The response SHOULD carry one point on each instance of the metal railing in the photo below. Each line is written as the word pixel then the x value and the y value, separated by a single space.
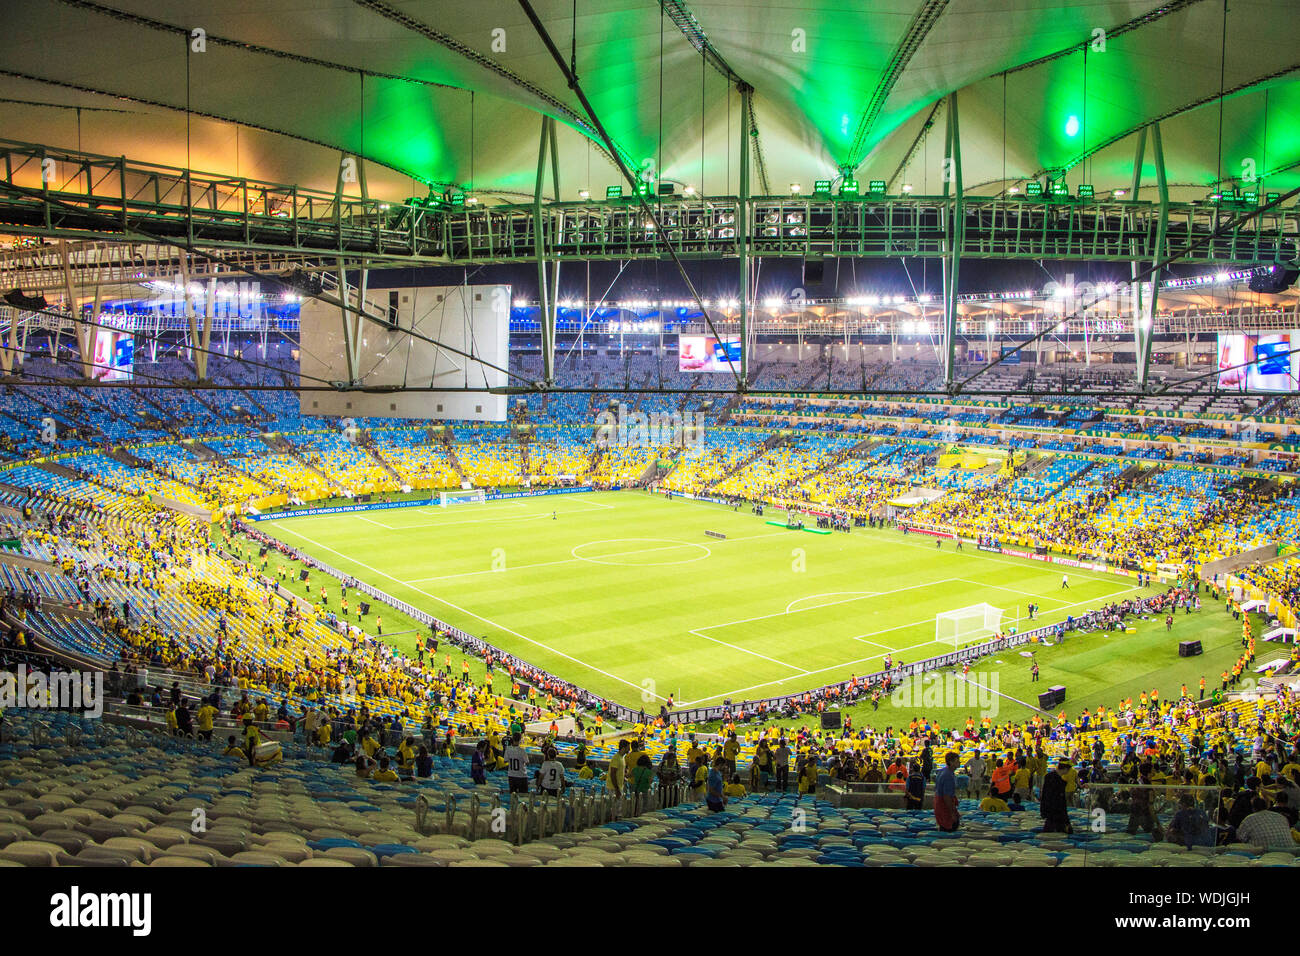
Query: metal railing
pixel 67 193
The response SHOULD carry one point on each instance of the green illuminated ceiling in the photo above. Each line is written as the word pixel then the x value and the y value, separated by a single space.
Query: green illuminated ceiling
pixel 449 93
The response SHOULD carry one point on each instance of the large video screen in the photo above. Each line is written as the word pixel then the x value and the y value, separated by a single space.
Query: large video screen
pixel 704 353
pixel 1259 361
pixel 114 356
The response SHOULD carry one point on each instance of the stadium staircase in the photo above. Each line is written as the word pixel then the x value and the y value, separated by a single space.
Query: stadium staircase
pixel 821 370
pixel 724 416
pixel 447 440
pixel 63 471
pixel 209 454
pixel 126 458
pixel 212 409
pixel 367 442
pixel 825 463
pixel 281 445
pixel 1133 476
pixel 768 444
pixel 655 473
pixel 262 413
pixel 1251 484
pixel 158 417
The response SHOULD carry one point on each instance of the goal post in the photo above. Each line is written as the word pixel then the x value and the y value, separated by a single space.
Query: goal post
pixel 966 624
pixel 474 496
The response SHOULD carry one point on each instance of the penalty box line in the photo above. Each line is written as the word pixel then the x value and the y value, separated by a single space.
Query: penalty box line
pixel 897 650
pixel 616 554
pixel 479 617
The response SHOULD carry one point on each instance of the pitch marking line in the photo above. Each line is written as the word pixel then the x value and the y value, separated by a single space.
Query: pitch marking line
pixel 883 647
pixel 479 617
pixel 974 555
pixel 763 617
pixel 1022 703
pixel 999 587
pixel 745 650
pixel 547 564
pixel 671 546
pixel 898 650
pixel 809 597
pixel 377 523
pixel 499 518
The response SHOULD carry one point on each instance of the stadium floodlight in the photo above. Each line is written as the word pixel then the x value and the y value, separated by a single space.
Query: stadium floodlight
pixel 967 624
pixel 794 189
pixel 584 193
pixel 822 187
pixel 688 191
pixel 643 189
pixel 849 187
pixel 1085 191
pixel 667 189
pixel 1072 126
pixel 876 187
pixel 613 192
pixel 1060 191
pixel 1033 189
pixel 907 187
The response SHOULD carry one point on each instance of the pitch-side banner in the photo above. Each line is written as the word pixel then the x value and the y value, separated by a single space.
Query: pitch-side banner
pixel 411 503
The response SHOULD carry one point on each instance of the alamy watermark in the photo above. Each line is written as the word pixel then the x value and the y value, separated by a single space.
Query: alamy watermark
pixel 58 690
pixel 625 428
pixel 932 691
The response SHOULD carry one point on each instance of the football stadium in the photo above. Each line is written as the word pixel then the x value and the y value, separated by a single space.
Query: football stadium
pixel 644 434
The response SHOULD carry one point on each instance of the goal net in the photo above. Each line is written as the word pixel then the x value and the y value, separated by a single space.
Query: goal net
pixel 476 496
pixel 967 624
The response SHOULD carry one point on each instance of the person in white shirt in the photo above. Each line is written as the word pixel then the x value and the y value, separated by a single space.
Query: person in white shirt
pixel 550 778
pixel 975 767
pixel 517 766
pixel 781 757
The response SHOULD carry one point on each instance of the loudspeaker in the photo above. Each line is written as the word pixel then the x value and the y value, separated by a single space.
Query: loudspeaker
pixel 1052 697
pixel 363 608
pixel 814 271
pixel 1279 278
pixel 1189 648
pixel 831 720
pixel 302 574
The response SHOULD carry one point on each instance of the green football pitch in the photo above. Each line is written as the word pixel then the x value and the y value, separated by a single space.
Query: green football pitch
pixel 625 594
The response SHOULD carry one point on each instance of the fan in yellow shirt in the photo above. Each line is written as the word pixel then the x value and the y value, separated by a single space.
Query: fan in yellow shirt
pixel 993 803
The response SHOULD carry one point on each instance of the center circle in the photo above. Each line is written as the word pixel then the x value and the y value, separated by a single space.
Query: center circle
pixel 639 552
